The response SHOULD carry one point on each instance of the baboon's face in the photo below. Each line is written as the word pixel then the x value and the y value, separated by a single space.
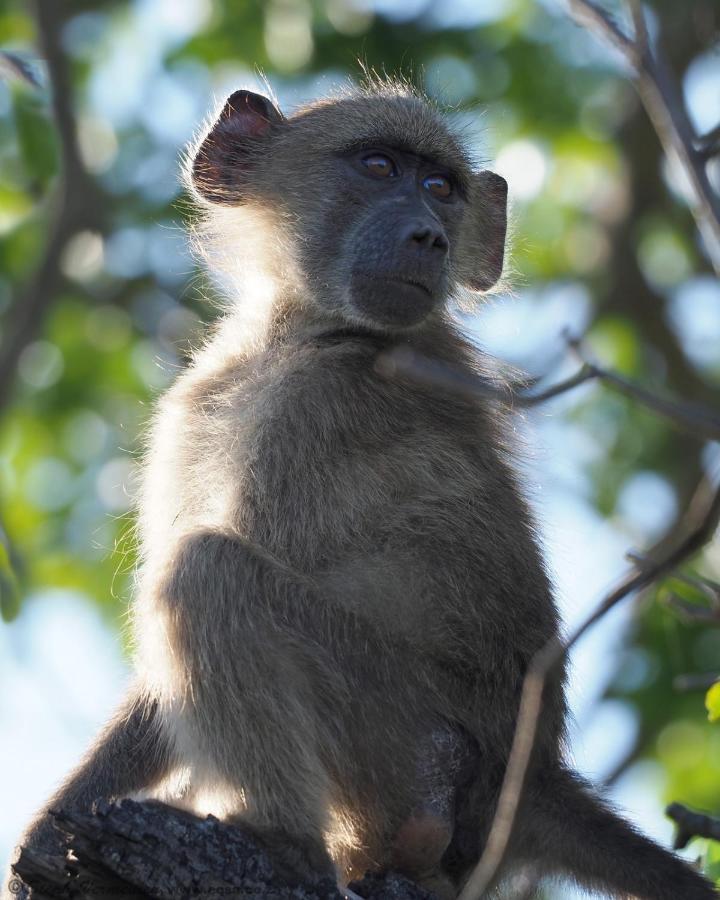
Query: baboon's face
pixel 381 207
pixel 384 244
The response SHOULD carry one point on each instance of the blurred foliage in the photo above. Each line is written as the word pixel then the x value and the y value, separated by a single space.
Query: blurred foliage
pixel 712 702
pixel 595 208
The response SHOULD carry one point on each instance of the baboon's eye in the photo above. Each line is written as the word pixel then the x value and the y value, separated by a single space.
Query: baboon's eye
pixel 438 185
pixel 380 165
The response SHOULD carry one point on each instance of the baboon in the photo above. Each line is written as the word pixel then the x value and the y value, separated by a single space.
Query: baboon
pixel 341 587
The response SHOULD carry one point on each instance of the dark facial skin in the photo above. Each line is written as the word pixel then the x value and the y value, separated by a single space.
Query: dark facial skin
pixel 379 233
pixel 396 251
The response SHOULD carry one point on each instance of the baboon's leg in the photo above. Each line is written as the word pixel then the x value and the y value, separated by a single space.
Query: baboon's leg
pixel 269 663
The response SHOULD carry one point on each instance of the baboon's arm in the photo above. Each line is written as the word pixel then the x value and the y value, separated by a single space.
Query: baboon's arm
pixel 230 589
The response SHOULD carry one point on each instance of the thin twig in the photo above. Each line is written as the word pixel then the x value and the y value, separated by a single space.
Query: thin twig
pixel 693 681
pixel 16 67
pixel 708 588
pixel 600 20
pixel 691 613
pixel 685 414
pixel 692 824
pixel 403 362
pixel 527 399
pixel 688 612
pixel 76 204
pixel 642 39
pixel 708 145
pixel 700 525
pixel 663 102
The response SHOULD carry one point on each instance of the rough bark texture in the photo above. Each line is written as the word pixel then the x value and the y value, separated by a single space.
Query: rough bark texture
pixel 149 850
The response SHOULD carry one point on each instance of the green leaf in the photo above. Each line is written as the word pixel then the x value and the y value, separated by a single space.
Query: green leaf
pixel 14 207
pixel 712 861
pixel 712 702
pixel 9 587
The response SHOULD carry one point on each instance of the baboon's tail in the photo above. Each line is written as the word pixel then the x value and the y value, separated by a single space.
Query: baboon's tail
pixel 567 828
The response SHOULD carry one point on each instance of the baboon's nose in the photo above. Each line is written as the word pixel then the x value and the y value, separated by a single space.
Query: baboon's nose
pixel 428 235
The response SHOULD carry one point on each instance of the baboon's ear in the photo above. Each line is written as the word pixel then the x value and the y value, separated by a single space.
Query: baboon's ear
pixel 224 159
pixel 481 247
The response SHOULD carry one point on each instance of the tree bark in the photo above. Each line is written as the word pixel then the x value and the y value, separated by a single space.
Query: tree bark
pixel 149 851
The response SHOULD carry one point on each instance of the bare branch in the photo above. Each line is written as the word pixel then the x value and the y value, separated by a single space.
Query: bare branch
pixel 708 588
pixel 663 102
pixel 600 21
pixel 709 144
pixel 403 362
pixel 642 39
pixel 149 850
pixel 692 824
pixel 693 681
pixel 14 66
pixel 77 204
pixel 693 417
pixel 691 613
pixel 699 526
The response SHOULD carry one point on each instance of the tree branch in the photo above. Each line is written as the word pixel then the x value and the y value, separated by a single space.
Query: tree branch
pixel 77 203
pixel 642 38
pixel 689 612
pixel 403 362
pixel 662 100
pixel 700 524
pixel 14 66
pixel 708 145
pixel 692 824
pixel 709 589
pixel 602 22
pixel 150 850
pixel 693 681
pixel 693 417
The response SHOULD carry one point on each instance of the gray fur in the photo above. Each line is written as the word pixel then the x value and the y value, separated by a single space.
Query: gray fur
pixel 341 587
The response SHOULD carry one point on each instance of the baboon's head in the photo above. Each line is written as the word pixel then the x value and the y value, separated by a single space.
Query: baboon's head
pixel 372 192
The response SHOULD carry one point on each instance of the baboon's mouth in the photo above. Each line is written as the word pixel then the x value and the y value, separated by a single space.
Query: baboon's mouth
pixel 396 299
pixel 409 282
